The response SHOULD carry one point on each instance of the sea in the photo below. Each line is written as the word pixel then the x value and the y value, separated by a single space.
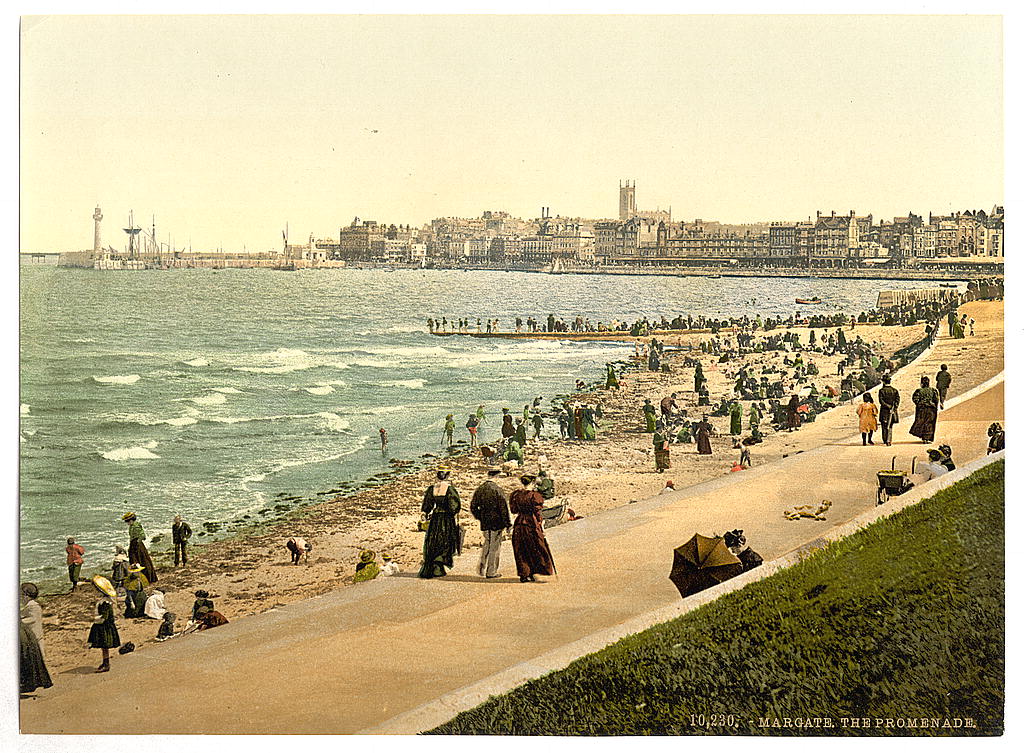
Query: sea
pixel 214 393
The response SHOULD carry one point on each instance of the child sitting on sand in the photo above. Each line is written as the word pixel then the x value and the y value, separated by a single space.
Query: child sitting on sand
pixel 166 629
pixel 366 568
pixel 390 567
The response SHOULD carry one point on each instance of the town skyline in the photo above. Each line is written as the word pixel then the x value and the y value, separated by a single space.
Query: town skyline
pixel 226 128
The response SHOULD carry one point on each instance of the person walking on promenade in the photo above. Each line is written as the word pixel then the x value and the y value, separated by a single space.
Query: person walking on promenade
pixel 530 547
pixel 951 320
pixel 942 382
pixel 703 431
pixel 135 592
pixel 926 411
pixel 137 551
pixel 103 633
pixel 75 561
pixel 181 532
pixel 449 430
pixel 441 506
pixel 32 660
pixel 490 507
pixel 32 614
pixel 888 405
pixel 662 456
pixel 867 412
pixel 471 427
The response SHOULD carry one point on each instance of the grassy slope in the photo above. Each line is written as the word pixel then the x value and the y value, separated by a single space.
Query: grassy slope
pixel 903 619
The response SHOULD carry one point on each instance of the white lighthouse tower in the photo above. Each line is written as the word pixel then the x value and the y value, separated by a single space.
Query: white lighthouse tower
pixel 96 216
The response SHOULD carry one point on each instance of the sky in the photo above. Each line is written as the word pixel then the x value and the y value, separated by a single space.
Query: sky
pixel 227 128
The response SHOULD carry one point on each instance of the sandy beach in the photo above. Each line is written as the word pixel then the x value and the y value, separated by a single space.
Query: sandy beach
pixel 251 573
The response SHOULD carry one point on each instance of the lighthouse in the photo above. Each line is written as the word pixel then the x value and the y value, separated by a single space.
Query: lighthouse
pixel 96 216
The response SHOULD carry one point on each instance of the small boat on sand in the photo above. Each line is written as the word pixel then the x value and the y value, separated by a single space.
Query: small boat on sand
pixel 808 301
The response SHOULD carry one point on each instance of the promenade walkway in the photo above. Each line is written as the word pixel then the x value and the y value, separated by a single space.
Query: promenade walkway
pixel 364 658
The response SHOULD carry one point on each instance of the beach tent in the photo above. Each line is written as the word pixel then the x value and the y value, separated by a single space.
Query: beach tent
pixel 703 562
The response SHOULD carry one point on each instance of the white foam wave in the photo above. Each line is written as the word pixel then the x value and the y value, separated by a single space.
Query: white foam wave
pixel 384 409
pixel 412 384
pixel 83 340
pixel 139 452
pixel 181 421
pixel 333 421
pixel 197 362
pixel 215 398
pixel 280 361
pixel 227 390
pixel 405 328
pixel 254 479
pixel 25 409
pixel 117 379
pixel 323 389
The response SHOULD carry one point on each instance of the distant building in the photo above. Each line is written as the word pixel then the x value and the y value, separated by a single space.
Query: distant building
pixel 628 210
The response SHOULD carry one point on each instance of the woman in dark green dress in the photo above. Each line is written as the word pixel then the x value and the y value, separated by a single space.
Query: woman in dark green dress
pixel 735 419
pixel 32 667
pixel 103 633
pixel 441 504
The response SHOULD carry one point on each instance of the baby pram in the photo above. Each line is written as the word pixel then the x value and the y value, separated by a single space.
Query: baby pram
pixel 892 483
pixel 554 514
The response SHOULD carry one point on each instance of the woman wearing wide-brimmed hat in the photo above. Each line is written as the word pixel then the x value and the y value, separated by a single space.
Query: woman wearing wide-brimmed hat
pixel 32 662
pixel 137 551
pixel 441 504
pixel 530 547
pixel 103 633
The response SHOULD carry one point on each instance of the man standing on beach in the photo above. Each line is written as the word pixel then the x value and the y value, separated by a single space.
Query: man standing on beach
pixel 490 507
pixel 75 561
pixel 181 532
pixel 942 381
pixel 383 439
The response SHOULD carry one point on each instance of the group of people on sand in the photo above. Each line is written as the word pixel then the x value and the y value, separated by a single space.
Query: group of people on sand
pixel 491 506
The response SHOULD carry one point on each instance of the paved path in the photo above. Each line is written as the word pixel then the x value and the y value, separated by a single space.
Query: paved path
pixel 356 658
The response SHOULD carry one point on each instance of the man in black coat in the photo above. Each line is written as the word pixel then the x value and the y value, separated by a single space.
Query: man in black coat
pixel 181 532
pixel 490 507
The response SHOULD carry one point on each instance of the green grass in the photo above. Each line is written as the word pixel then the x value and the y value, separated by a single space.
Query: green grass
pixel 904 619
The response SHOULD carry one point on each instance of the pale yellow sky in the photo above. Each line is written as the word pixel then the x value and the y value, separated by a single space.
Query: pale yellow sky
pixel 227 127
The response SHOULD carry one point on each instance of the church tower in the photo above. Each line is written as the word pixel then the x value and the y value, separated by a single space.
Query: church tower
pixel 627 200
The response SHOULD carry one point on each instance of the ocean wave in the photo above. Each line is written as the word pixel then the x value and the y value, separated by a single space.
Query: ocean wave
pixel 82 340
pixel 333 421
pixel 323 389
pixel 412 384
pixel 227 390
pixel 215 398
pixel 405 328
pixel 128 379
pixel 197 362
pixel 146 419
pixel 25 407
pixel 139 452
pixel 280 361
pixel 181 421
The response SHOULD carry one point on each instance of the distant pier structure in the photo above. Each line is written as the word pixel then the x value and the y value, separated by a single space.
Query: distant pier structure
pixel 97 217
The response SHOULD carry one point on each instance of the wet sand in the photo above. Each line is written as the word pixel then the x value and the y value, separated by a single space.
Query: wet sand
pixel 251 573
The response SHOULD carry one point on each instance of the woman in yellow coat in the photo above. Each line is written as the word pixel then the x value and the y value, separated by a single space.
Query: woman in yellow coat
pixel 868 413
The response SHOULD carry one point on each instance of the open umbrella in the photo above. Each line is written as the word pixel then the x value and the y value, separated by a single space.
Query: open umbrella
pixel 703 562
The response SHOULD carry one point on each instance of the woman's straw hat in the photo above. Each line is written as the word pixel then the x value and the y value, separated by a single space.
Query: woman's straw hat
pixel 104 586
pixel 367 555
pixel 127 516
pixel 135 568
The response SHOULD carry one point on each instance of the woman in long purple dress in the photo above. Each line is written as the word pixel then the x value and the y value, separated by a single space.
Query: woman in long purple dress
pixel 533 557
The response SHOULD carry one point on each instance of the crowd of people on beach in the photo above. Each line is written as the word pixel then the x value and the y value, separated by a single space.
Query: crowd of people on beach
pixel 778 389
